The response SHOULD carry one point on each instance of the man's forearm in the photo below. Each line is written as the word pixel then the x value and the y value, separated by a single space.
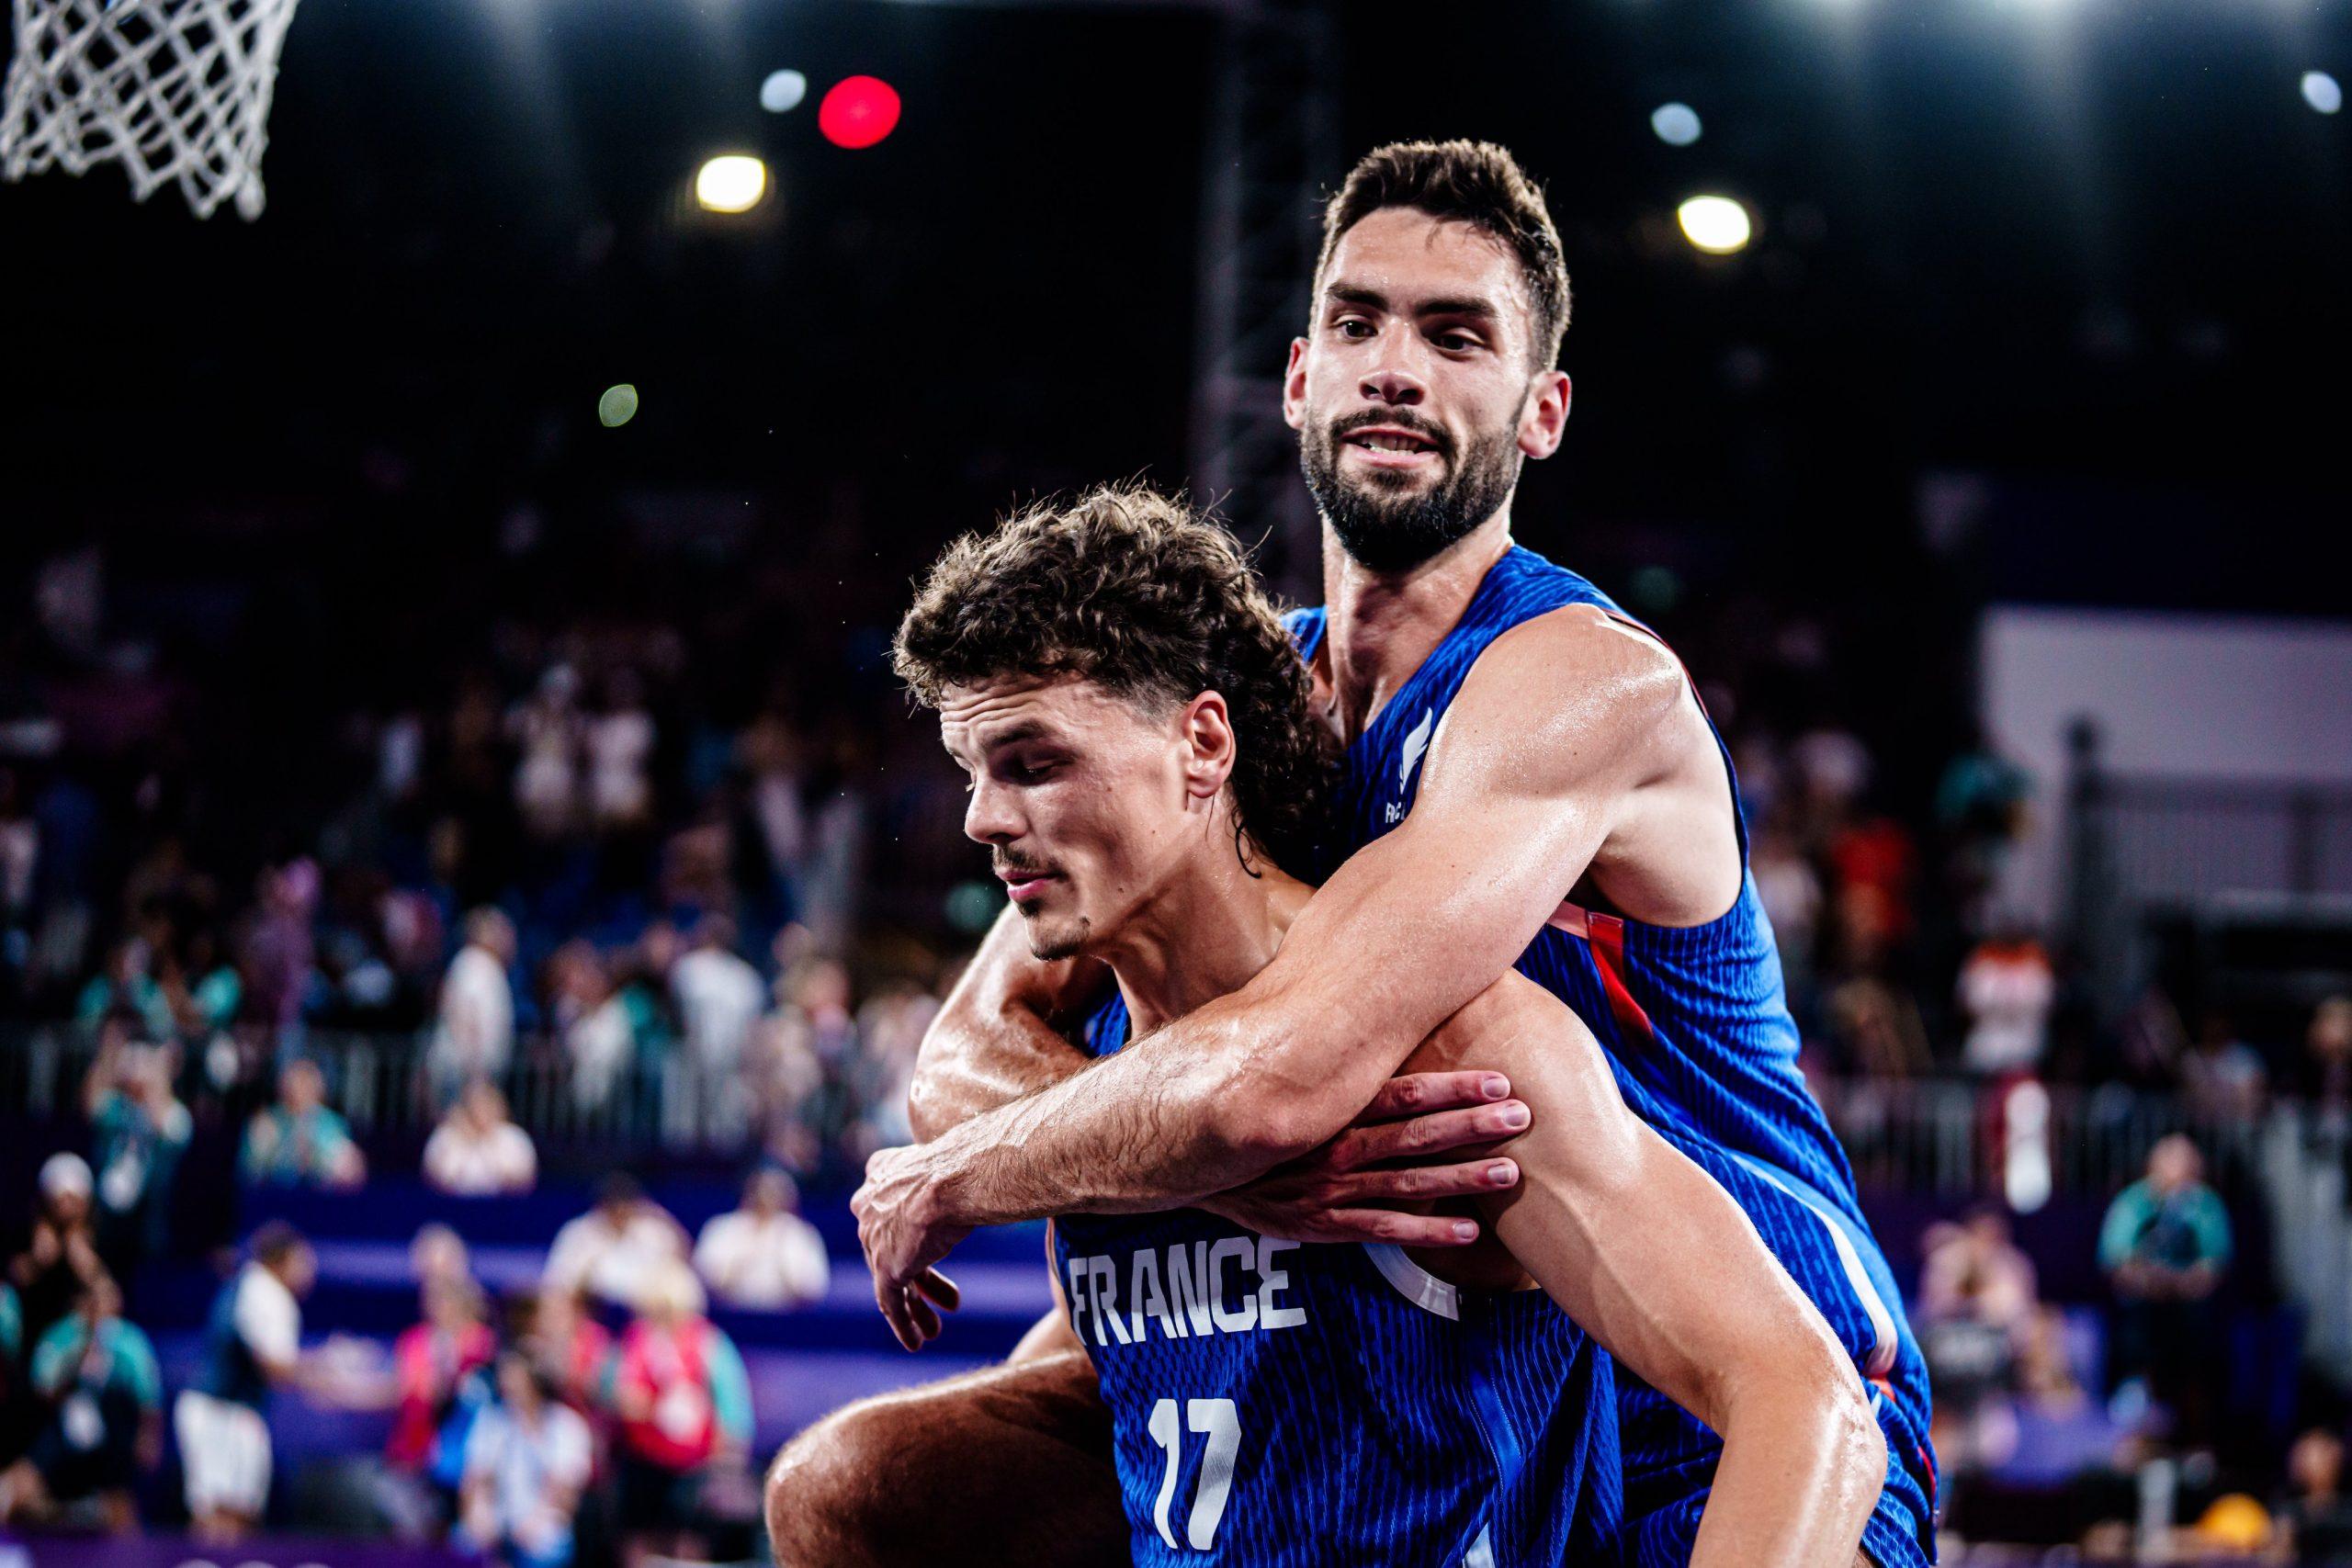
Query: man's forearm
pixel 996 1039
pixel 973 1064
pixel 1151 1127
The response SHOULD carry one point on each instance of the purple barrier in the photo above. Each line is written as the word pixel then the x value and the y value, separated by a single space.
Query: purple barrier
pixel 179 1552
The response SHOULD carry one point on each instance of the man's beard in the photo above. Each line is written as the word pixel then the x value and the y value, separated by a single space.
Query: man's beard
pixel 1392 530
pixel 1051 944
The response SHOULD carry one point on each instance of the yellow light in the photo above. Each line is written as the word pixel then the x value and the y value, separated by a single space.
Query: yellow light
pixel 732 183
pixel 1716 224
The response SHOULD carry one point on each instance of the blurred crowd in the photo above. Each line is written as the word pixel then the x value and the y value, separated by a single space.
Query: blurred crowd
pixel 514 1425
pixel 597 876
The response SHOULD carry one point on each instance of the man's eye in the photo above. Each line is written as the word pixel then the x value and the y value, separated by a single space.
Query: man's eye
pixel 1031 773
pixel 1456 343
pixel 1354 329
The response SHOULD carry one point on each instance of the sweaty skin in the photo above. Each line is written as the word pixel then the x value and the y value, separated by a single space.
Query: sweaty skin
pixel 1575 757
pixel 1639 1246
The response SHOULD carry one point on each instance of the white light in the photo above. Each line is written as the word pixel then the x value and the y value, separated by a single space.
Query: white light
pixel 732 183
pixel 617 406
pixel 1677 124
pixel 2322 91
pixel 783 91
pixel 1716 224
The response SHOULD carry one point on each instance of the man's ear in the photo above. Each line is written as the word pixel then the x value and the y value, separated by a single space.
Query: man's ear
pixel 1294 385
pixel 1206 730
pixel 1545 418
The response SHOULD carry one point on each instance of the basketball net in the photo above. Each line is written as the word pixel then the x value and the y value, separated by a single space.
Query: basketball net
pixel 174 90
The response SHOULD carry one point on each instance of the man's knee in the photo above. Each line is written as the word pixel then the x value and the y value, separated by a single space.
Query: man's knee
pixel 824 1501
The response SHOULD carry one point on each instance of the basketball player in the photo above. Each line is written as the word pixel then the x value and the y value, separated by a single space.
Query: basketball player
pixel 1531 783
pixel 1134 717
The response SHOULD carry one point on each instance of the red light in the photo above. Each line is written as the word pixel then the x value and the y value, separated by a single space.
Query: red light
pixel 858 112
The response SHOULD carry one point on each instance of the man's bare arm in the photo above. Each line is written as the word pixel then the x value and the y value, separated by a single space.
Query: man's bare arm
pixel 1558 727
pixel 1002 1033
pixel 1658 1264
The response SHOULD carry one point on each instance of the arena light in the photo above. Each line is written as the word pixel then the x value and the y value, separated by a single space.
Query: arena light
pixel 1677 125
pixel 617 406
pixel 858 111
pixel 2322 91
pixel 782 92
pixel 1715 225
pixel 732 182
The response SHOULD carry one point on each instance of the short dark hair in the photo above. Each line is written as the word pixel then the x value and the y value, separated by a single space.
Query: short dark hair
pixel 1472 182
pixel 274 1242
pixel 1132 589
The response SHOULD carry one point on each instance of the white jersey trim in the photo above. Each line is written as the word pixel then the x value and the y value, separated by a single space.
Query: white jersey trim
pixel 1413 1283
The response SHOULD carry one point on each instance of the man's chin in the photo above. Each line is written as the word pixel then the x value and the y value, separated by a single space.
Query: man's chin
pixel 1051 940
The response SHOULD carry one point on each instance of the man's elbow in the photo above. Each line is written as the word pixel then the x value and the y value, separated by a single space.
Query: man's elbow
pixel 931 1110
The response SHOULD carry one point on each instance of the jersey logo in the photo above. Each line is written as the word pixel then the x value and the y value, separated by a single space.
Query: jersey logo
pixel 1415 744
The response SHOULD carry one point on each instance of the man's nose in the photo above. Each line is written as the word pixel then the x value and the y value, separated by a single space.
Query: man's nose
pixel 1393 385
pixel 988 817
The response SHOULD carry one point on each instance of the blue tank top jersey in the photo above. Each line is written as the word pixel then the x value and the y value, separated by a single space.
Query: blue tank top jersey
pixel 1694 1021
pixel 1286 1405
pixel 230 1370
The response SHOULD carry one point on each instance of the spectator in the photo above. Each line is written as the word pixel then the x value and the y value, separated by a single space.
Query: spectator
pixel 593 1023
pixel 2222 1075
pixel 477 1149
pixel 2326 1073
pixel 60 1259
pixel 299 1141
pixel 476 1035
pixel 125 987
pixel 440 1253
pixel 546 729
pixel 252 1344
pixel 563 1341
pixel 612 1248
pixel 2164 1244
pixel 2007 989
pixel 139 1130
pixel 764 1255
pixel 619 746
pixel 1976 1299
pixel 719 996
pixel 1974 1273
pixel 2317 1513
pixel 429 1362
pixel 96 1377
pixel 682 1400
pixel 1791 891
pixel 279 952
pixel 528 1463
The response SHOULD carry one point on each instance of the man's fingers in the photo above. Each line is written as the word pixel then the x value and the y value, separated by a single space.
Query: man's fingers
pixel 1429 1134
pixel 1417 1094
pixel 1468 1179
pixel 891 1299
pixel 1401 1229
pixel 924 1316
pixel 940 1289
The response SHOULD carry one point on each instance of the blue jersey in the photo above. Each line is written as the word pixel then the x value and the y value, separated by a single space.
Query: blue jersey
pixel 1281 1405
pixel 231 1372
pixel 1698 1033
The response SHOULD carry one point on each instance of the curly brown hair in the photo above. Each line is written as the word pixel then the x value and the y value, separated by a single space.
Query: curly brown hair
pixel 1476 182
pixel 1133 590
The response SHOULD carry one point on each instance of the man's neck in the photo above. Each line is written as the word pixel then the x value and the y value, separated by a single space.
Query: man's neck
pixel 1204 936
pixel 1380 626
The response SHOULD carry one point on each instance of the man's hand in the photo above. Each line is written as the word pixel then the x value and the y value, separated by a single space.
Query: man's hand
pixel 898 1226
pixel 1347 1189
